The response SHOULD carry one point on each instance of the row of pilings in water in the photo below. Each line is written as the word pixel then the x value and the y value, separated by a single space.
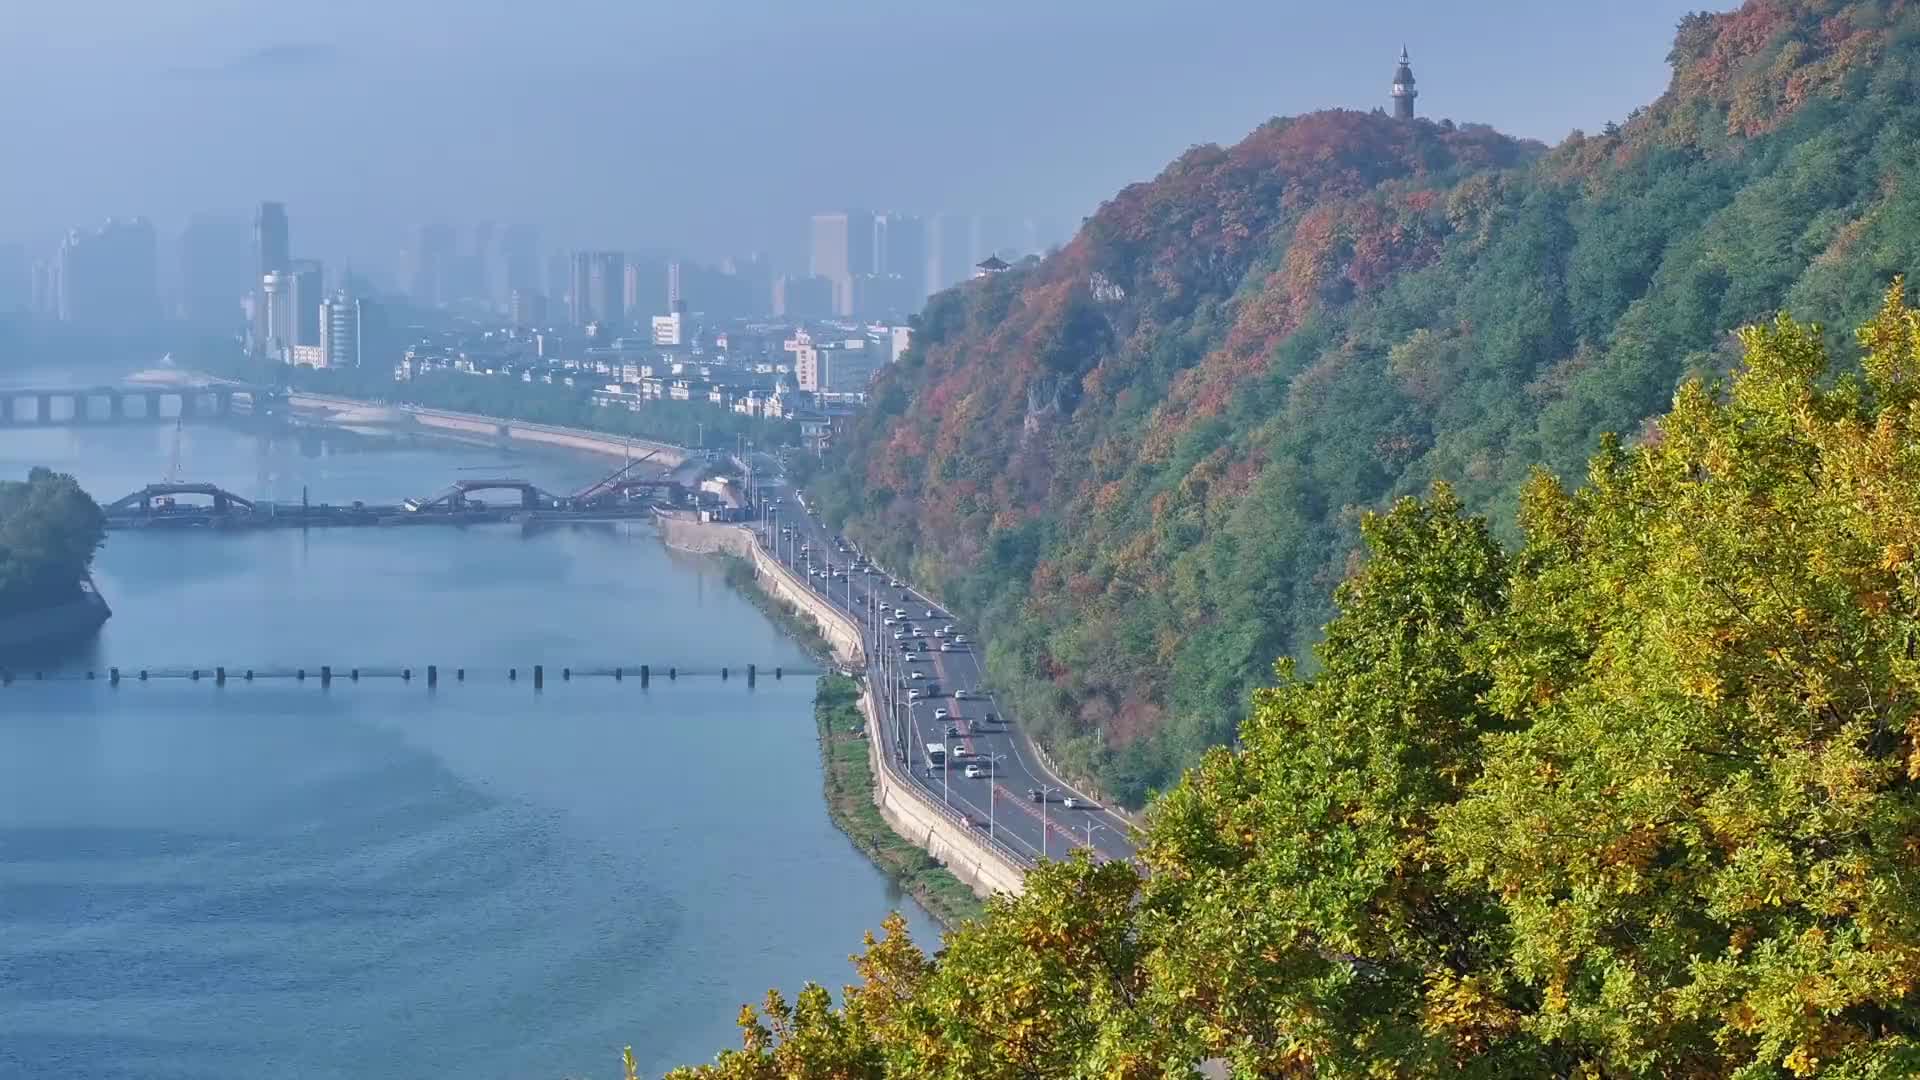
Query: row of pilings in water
pixel 326 674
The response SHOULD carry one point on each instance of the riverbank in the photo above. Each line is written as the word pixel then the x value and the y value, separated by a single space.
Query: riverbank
pixel 849 784
pixel 804 631
pixel 58 624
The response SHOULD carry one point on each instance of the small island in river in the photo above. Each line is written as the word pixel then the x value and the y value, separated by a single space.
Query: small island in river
pixel 49 531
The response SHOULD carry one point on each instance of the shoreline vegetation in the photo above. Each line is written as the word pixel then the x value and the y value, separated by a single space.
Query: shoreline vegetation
pixel 847 772
pixel 49 531
pixel 848 769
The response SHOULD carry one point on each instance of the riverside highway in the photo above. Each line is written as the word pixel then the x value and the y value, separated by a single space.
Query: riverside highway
pixel 998 802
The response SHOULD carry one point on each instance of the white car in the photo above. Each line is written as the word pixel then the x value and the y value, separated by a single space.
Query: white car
pixel 913 695
pixel 899 635
pixel 893 583
pixel 959 695
pixel 946 646
pixel 917 632
pixel 888 621
pixel 916 658
pixel 939 714
pixel 930 613
pixel 916 675
pixel 975 772
pixel 1070 803
pixel 959 639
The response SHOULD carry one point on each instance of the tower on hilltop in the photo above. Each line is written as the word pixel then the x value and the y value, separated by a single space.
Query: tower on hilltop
pixel 1403 91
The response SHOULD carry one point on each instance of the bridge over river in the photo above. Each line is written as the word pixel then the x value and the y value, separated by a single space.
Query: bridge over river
pixel 61 406
pixel 626 493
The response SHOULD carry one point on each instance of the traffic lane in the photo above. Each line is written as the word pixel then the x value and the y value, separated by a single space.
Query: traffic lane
pixel 962 667
pixel 1115 824
pixel 979 798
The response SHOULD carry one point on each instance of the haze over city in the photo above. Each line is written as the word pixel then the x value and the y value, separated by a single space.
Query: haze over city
pixel 712 130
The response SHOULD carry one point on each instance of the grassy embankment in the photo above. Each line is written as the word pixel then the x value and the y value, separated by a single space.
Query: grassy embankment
pixel 848 773
pixel 849 787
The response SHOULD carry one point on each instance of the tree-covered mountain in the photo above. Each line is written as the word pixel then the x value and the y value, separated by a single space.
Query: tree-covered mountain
pixel 1141 462
pixel 1635 797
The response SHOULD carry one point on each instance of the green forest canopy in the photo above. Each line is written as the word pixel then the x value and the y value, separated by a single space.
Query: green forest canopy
pixel 1140 465
pixel 49 530
pixel 1636 797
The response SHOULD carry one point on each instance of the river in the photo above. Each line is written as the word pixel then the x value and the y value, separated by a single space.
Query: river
pixel 381 880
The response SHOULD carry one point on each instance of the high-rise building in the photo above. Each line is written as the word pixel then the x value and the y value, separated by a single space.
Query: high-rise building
pixel 108 276
pixel 429 265
pixel 630 297
pixel 528 308
pixel 341 340
pixel 803 297
pixel 520 258
pixel 305 291
pixel 271 249
pixel 673 287
pixel 216 272
pixel 597 292
pixel 274 314
pixel 900 251
pixel 900 259
pixel 754 275
pixel 949 251
pixel 1403 89
pixel 842 250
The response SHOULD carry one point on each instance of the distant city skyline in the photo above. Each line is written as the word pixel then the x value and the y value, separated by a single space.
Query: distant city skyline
pixel 713 146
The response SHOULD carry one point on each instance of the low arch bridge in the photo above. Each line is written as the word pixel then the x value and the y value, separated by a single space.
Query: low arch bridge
pixel 160 499
pixel 455 497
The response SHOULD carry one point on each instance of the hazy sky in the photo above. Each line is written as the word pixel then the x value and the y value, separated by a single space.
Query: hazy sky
pixel 717 125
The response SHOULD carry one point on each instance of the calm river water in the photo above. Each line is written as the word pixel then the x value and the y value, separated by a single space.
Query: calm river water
pixel 377 880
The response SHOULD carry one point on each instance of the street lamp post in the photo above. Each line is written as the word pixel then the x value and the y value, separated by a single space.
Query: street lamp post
pixel 993 789
pixel 1045 794
pixel 1092 825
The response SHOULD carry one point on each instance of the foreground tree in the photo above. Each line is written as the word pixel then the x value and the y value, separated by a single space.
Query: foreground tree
pixel 1639 800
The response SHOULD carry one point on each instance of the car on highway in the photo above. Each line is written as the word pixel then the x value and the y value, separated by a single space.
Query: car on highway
pixel 919 632
pixel 899 635
pixel 888 621
pixel 946 646
pixel 915 658
pixel 916 675
pixel 1071 803
pixel 962 694
pixel 930 614
pixel 975 772
pixel 959 639
pixel 940 714
pixel 913 695
pixel 900 613
pixel 942 632
pixel 893 583
pixel 953 731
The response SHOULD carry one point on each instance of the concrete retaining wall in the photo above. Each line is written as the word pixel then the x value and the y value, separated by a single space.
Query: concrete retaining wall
pixel 911 814
pixel 843 637
pixel 904 805
pixel 703 537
